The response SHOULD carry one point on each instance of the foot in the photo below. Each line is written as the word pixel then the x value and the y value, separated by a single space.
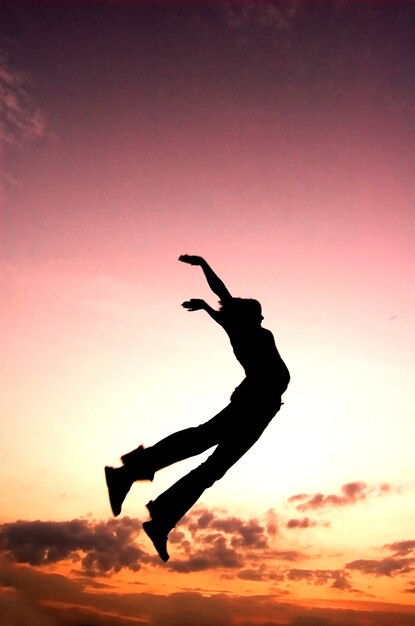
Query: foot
pixel 119 485
pixel 136 462
pixel 158 537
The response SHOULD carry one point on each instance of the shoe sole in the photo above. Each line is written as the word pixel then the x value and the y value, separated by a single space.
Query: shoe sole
pixel 115 506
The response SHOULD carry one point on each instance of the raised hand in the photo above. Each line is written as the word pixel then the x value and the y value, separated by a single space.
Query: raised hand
pixel 191 259
pixel 214 282
pixel 194 304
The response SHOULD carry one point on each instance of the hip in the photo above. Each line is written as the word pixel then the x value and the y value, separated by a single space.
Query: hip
pixel 257 396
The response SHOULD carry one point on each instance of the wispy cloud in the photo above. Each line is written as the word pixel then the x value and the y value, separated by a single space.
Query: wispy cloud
pixel 350 493
pixel 21 119
pixel 244 14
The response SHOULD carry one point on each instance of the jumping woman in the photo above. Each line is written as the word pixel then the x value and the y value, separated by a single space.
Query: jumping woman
pixel 233 431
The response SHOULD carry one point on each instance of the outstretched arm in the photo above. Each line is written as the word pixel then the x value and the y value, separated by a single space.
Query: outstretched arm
pixel 194 304
pixel 214 282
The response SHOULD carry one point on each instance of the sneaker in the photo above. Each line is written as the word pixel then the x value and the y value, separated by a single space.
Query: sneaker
pixel 136 462
pixel 158 538
pixel 119 485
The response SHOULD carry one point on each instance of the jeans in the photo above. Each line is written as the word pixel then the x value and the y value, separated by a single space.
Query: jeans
pixel 234 430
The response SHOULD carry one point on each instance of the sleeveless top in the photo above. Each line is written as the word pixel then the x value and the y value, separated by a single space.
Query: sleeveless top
pixel 255 349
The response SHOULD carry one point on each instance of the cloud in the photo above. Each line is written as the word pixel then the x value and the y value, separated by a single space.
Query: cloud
pixel 399 563
pixel 401 548
pixel 272 523
pixel 206 526
pixel 204 540
pixel 248 534
pixel 209 539
pixel 98 547
pixel 350 494
pixel 336 579
pixel 288 555
pixel 217 554
pixel 61 601
pixel 411 589
pixel 305 522
pixel 21 119
pixel 243 15
pixel 382 567
pixel 15 609
pixel 255 574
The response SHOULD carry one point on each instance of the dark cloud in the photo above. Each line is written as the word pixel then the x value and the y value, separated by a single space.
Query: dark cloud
pixel 205 518
pixel 300 574
pixel 35 598
pixel 382 567
pixel 98 547
pixel 305 522
pixel 204 540
pixel 287 555
pixel 258 574
pixel 252 535
pixel 243 534
pixel 399 563
pixel 216 554
pixel 350 494
pixel 263 573
pixel 401 548
pixel 209 539
pixel 337 579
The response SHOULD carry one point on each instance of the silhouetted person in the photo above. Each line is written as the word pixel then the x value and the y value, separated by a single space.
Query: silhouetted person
pixel 233 431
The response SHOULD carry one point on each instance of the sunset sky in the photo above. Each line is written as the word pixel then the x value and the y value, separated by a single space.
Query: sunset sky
pixel 277 140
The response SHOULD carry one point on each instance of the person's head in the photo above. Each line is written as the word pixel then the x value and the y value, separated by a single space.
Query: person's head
pixel 243 310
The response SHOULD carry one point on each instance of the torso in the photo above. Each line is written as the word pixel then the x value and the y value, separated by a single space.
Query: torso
pixel 256 351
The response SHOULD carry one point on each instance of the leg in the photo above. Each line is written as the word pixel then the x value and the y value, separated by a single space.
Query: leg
pixel 142 463
pixel 171 505
pixel 178 446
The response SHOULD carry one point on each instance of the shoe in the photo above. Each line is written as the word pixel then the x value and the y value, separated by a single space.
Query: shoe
pixel 158 538
pixel 133 456
pixel 136 462
pixel 119 484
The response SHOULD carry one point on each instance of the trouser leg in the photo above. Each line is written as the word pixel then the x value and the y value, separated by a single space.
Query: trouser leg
pixel 171 505
pixel 188 442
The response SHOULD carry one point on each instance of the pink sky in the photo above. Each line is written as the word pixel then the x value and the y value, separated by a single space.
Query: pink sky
pixel 276 139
